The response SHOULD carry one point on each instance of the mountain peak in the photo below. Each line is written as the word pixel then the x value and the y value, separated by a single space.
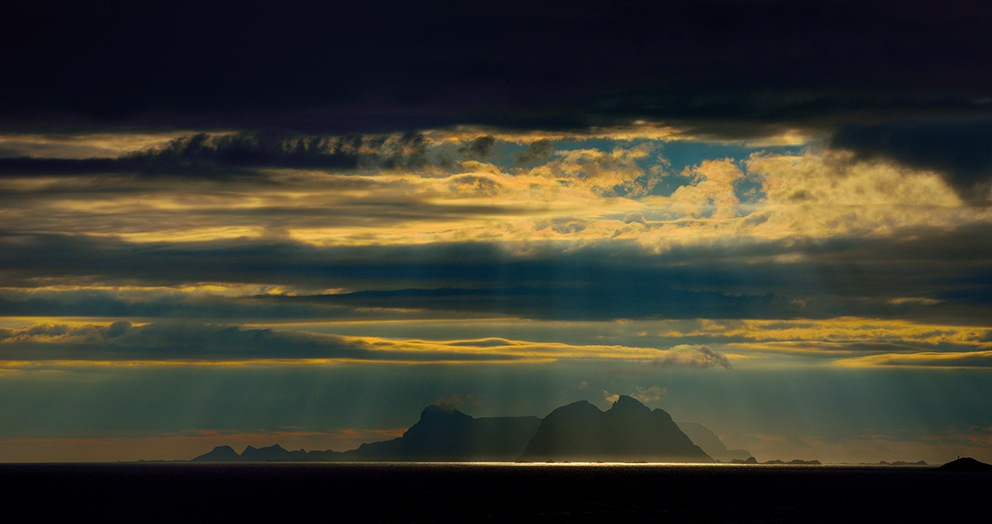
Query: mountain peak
pixel 271 453
pixel 219 454
pixel 274 447
pixel 627 404
pixel 435 412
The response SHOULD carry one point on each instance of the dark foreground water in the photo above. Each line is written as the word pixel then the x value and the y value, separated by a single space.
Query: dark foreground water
pixel 311 493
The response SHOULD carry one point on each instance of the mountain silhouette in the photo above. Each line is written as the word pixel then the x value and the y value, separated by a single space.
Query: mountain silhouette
pixel 627 432
pixel 710 443
pixel 219 454
pixel 274 453
pixel 450 435
pixel 965 464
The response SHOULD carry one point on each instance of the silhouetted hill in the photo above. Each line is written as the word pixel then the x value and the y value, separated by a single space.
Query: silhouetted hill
pixel 710 443
pixel 450 435
pixel 965 464
pixel 266 454
pixel 274 453
pixel 629 431
pixel 219 454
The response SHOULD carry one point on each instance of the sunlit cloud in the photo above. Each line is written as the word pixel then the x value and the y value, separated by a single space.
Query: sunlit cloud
pixel 650 394
pixel 185 343
pixel 923 359
pixel 636 130
pixel 81 146
pixel 700 357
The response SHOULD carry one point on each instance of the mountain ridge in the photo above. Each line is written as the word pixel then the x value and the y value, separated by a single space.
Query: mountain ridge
pixel 629 432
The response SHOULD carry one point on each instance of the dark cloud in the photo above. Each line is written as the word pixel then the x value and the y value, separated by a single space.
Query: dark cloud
pixel 480 147
pixel 249 149
pixel 255 65
pixel 152 304
pixel 536 152
pixel 960 150
pixel 570 300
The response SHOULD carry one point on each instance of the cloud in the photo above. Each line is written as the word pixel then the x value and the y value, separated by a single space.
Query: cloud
pixel 713 193
pixel 694 357
pixel 633 217
pixel 206 343
pixel 105 144
pixel 536 151
pixel 480 147
pixel 228 156
pixel 923 359
pixel 961 150
pixel 650 394
pixel 457 400
pixel 608 173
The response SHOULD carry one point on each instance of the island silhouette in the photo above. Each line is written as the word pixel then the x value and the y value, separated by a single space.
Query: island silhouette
pixel 579 432
pixel 628 432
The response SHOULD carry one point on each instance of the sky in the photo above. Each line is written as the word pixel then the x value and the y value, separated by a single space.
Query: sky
pixel 246 223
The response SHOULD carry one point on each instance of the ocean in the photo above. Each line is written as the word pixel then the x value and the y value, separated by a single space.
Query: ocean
pixel 479 493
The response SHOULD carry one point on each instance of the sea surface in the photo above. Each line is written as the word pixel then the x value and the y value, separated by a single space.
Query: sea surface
pixel 434 492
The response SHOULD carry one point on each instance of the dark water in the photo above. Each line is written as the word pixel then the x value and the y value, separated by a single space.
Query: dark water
pixel 311 493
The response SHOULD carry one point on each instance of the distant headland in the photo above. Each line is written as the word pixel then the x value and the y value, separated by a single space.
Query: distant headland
pixel 966 464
